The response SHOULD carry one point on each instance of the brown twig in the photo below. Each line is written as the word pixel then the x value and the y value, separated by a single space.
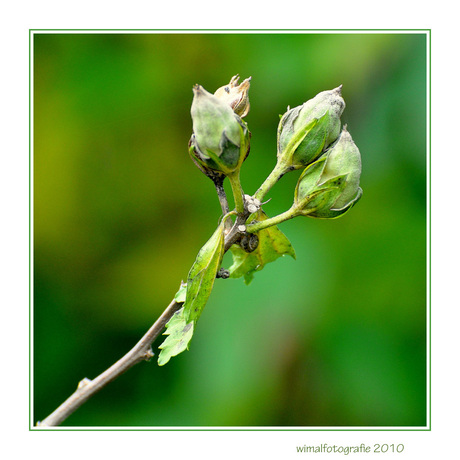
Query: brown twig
pixel 87 388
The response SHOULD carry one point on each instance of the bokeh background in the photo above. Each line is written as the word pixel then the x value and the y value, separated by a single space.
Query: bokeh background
pixel 334 338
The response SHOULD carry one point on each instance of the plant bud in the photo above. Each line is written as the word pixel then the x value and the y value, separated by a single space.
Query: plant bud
pixel 221 139
pixel 307 130
pixel 329 187
pixel 236 95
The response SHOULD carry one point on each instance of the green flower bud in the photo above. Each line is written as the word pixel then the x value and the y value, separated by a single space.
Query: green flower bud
pixel 329 187
pixel 236 95
pixel 307 130
pixel 221 138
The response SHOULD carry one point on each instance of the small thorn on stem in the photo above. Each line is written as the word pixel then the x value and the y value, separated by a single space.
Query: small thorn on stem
pixel 82 383
pixel 149 354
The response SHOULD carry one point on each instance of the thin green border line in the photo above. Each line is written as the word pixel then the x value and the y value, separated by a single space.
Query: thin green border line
pixel 428 242
pixel 429 223
pixel 409 31
pixel 30 235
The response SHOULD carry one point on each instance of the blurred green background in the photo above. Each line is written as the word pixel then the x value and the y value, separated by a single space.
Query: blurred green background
pixel 335 338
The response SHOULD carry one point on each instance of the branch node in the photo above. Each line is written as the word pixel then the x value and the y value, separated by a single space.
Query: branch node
pixel 148 355
pixel 82 383
pixel 249 242
pixel 223 273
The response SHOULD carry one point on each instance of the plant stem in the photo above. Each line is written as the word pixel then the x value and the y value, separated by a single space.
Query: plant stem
pixel 142 351
pixel 257 226
pixel 278 172
pixel 87 388
pixel 222 197
pixel 219 184
pixel 237 190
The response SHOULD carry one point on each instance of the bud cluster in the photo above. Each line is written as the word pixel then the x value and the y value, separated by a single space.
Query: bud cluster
pixel 309 137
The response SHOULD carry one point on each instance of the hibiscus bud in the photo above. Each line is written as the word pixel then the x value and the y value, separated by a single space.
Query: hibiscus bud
pixel 329 187
pixel 220 140
pixel 307 130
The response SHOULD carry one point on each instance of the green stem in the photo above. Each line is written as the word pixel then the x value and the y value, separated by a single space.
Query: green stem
pixel 278 172
pixel 257 226
pixel 237 190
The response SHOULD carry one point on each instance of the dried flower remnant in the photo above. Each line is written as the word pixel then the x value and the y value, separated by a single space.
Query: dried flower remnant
pixel 236 95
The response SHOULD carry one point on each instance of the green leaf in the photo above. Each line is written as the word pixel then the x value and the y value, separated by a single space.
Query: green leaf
pixel 273 244
pixel 203 274
pixel 298 137
pixel 313 142
pixel 179 334
pixel 309 178
pixel 180 294
pixel 194 294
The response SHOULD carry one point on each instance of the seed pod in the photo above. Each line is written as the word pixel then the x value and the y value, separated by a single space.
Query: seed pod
pixel 236 95
pixel 221 138
pixel 329 187
pixel 307 130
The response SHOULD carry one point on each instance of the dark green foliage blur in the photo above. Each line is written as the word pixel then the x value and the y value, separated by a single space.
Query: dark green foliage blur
pixel 334 338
